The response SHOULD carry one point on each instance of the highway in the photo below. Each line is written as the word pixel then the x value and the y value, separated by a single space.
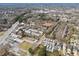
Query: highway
pixel 6 34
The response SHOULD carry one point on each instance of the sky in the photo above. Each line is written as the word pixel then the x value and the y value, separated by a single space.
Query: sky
pixel 74 5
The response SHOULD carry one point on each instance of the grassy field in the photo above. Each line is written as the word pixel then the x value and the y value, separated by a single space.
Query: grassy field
pixel 23 53
pixel 28 38
pixel 25 45
pixel 1 33
pixel 37 50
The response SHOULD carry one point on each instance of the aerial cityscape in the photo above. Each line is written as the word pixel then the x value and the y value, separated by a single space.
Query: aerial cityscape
pixel 39 29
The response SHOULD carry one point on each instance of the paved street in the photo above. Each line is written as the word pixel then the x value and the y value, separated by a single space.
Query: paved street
pixel 6 34
pixel 29 41
pixel 39 42
pixel 64 32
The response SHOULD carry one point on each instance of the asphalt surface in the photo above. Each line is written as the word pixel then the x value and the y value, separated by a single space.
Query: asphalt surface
pixel 6 34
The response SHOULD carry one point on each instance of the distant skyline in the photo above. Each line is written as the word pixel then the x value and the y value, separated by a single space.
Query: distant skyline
pixel 29 5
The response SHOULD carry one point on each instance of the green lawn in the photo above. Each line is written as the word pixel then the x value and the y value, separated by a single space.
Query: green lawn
pixel 25 45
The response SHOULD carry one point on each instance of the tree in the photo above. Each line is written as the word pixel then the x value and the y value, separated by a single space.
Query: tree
pixel 23 33
pixel 54 36
pixel 72 50
pixel 56 53
pixel 42 51
pixel 5 21
pixel 43 16
pixel 19 18
pixel 30 50
pixel 4 50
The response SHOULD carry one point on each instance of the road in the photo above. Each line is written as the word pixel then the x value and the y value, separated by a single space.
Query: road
pixel 29 41
pixel 39 42
pixel 64 32
pixel 56 26
pixel 6 34
pixel 43 37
